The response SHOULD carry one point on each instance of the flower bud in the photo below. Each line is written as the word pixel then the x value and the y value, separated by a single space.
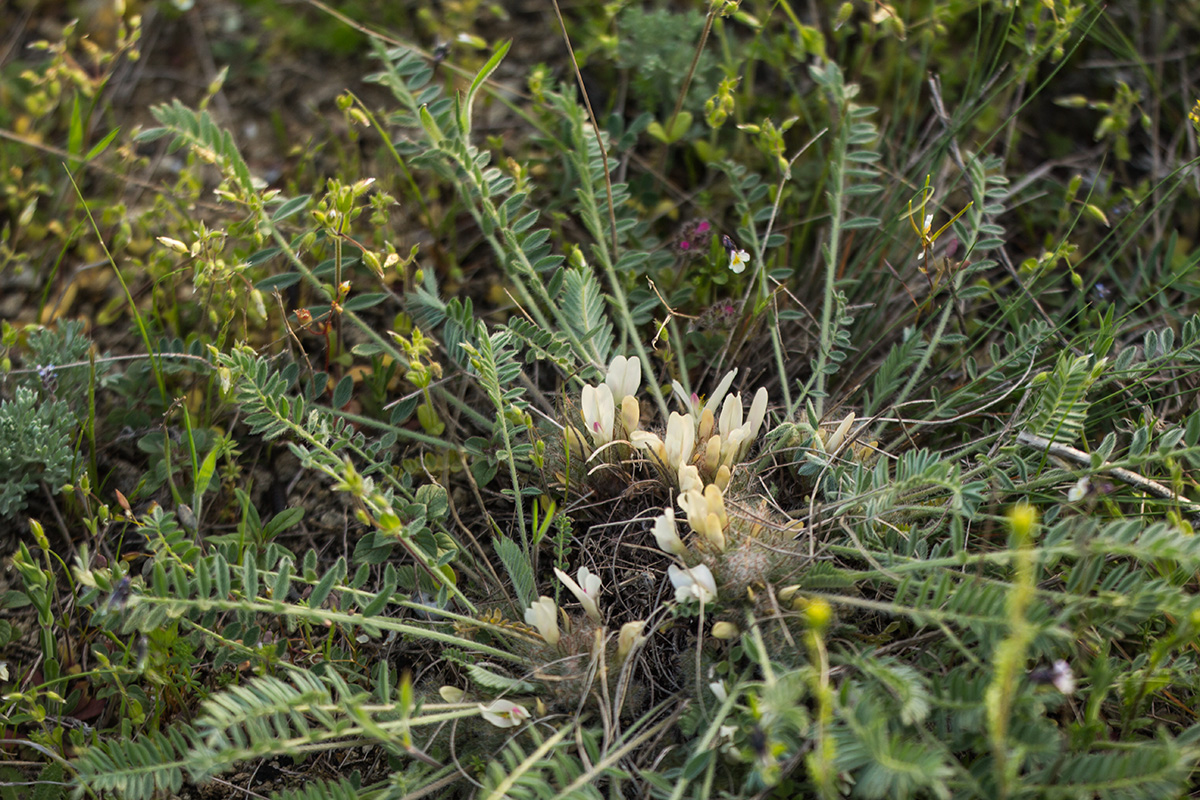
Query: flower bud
pixel 713 533
pixel 725 630
pixel 838 436
pixel 667 535
pixel 716 503
pixel 712 454
pixel 818 615
pixel 630 413
pixel 452 694
pixel 722 478
pixel 631 634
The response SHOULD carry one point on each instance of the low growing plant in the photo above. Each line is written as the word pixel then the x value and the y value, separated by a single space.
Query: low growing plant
pixel 845 497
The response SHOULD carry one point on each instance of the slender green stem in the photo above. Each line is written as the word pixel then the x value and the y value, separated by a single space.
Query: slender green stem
pixel 831 250
pixel 319 616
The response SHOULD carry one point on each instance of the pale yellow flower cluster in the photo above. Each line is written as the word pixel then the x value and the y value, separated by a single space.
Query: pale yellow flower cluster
pixel 543 615
pixel 599 404
pixel 696 456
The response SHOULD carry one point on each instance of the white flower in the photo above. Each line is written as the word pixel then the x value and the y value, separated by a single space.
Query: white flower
pixel 681 439
pixel 624 377
pixel 1063 678
pixel 758 412
pixel 667 535
pixel 543 615
pixel 644 440
pixel 585 594
pixel 631 634
pixel 737 434
pixel 731 415
pixel 1079 490
pixel 696 583
pixel 504 713
pixel 718 689
pixel 689 478
pixel 714 400
pixel 1058 675
pixel 598 410
pixel 738 260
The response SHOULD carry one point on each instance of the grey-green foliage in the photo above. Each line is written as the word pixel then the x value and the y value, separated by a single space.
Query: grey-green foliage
pixel 35 446
pixel 52 348
pixel 657 47
pixel 37 423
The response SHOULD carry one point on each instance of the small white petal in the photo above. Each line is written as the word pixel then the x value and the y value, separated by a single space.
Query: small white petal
pixel 681 439
pixel 624 376
pixel 630 413
pixel 692 503
pixel 732 446
pixel 714 498
pixel 684 398
pixel 714 400
pixel 758 411
pixel 598 410
pixel 838 436
pixel 731 415
pixel 1064 679
pixel 666 534
pixel 689 478
pixel 543 615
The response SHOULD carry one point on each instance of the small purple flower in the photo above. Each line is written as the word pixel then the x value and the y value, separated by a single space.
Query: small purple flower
pixel 694 238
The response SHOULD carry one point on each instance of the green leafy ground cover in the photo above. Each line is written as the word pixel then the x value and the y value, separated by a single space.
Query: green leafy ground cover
pixel 806 409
